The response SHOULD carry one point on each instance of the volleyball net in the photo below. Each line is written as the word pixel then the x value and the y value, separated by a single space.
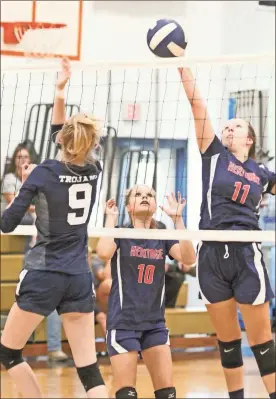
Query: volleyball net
pixel 148 132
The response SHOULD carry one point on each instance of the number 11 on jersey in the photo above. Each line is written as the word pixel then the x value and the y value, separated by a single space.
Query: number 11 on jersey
pixel 146 274
pixel 238 186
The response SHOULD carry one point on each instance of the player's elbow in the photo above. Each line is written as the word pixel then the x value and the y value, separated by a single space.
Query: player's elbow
pixel 104 253
pixel 6 228
pixel 189 259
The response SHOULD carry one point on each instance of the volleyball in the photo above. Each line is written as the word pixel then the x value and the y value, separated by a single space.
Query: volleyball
pixel 166 39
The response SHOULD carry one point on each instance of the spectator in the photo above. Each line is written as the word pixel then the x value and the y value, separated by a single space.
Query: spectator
pixel 97 269
pixel 13 180
pixel 174 278
pixel 102 280
pixel 55 352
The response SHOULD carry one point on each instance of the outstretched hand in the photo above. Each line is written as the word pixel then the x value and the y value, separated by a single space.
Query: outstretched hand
pixel 175 206
pixel 111 209
pixel 64 75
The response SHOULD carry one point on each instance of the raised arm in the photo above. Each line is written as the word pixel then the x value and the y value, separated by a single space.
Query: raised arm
pixel 106 246
pixel 59 114
pixel 183 251
pixel 204 131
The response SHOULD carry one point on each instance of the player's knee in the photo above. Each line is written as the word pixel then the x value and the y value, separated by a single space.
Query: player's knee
pixel 165 393
pixel 265 357
pixel 10 357
pixel 90 376
pixel 231 354
pixel 126 392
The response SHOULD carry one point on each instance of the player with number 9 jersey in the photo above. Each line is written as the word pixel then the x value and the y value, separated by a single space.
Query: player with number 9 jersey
pixel 56 274
pixel 136 306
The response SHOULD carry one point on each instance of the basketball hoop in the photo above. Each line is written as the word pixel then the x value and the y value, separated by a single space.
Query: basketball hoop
pixel 15 31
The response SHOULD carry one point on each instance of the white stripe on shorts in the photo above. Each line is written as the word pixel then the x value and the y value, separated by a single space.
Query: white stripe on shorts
pixel 21 278
pixel 260 269
pixel 204 299
pixel 118 348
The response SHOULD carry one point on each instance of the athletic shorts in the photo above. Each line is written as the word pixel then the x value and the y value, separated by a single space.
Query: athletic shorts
pixel 42 292
pixel 232 270
pixel 123 341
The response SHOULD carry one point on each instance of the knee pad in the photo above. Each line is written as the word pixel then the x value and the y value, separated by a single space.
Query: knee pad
pixel 265 357
pixel 90 376
pixel 126 392
pixel 230 354
pixel 10 357
pixel 165 393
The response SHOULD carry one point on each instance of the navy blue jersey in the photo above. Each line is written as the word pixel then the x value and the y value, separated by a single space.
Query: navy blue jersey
pixel 136 300
pixel 231 190
pixel 64 196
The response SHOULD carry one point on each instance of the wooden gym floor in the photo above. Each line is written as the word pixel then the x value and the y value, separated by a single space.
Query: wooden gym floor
pixel 196 375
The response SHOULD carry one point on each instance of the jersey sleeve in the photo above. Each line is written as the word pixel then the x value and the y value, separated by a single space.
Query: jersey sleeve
pixel 215 147
pixel 13 215
pixel 271 181
pixel 169 245
pixel 54 131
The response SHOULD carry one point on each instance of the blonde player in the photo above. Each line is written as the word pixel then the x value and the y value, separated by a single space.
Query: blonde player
pixel 135 318
pixel 56 274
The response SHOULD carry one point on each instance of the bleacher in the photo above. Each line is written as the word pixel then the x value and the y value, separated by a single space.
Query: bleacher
pixel 189 327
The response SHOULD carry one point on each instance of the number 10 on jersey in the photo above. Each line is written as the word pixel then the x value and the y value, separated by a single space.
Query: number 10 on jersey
pixel 146 274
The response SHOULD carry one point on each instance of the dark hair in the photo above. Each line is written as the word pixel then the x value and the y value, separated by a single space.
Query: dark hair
pixel 26 145
pixel 252 135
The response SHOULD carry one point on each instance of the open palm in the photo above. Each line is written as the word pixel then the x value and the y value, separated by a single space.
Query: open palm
pixel 175 207
pixel 64 75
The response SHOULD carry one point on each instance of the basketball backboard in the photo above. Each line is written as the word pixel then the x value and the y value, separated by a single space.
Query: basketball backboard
pixel 41 28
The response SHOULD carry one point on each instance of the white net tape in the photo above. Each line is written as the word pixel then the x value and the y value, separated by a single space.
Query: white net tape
pixel 53 65
pixel 156 234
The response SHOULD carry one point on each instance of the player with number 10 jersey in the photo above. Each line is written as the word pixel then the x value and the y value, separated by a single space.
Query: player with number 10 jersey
pixel 136 306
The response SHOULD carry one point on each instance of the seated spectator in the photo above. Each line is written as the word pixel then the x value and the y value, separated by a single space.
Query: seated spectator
pixel 12 182
pixel 102 280
pixel 174 278
pixel 97 268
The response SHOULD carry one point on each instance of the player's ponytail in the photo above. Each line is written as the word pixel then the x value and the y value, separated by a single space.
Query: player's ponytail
pixel 252 135
pixel 79 135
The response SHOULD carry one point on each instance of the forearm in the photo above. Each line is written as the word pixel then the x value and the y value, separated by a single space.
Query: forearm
pixel 203 127
pixel 191 89
pixel 187 250
pixel 106 245
pixel 59 113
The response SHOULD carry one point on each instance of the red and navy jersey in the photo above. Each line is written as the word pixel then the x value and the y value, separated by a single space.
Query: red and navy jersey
pixel 136 300
pixel 232 191
pixel 64 196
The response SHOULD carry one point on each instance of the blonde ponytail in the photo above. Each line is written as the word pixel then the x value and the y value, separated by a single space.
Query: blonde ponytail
pixel 79 136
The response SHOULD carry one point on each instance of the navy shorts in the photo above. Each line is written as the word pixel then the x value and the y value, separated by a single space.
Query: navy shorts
pixel 232 270
pixel 42 292
pixel 123 341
